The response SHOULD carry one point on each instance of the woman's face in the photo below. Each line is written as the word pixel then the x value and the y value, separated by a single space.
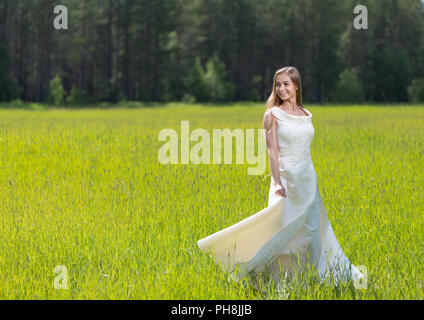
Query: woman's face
pixel 285 87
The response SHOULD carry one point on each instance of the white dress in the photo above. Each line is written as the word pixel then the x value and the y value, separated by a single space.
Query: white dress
pixel 292 232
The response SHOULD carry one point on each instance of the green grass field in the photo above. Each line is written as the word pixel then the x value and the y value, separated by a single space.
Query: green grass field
pixel 84 189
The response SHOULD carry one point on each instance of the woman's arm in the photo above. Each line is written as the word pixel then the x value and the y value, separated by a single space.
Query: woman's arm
pixel 270 126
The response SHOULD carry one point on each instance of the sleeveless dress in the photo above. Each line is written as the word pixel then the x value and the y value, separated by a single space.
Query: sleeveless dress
pixel 293 232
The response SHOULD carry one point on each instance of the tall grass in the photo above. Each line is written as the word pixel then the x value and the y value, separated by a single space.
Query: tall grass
pixel 84 189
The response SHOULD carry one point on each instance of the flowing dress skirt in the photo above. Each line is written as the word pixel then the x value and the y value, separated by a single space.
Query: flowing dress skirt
pixel 289 234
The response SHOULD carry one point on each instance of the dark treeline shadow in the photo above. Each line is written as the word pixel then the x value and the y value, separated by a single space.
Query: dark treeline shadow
pixel 209 51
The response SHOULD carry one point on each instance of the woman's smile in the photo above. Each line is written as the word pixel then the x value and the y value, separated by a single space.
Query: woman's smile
pixel 284 86
pixel 284 94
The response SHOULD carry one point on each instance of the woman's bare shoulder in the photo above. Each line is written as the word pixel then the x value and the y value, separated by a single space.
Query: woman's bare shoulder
pixel 268 120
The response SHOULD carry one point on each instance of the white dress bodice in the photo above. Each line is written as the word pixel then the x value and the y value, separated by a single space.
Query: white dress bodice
pixel 294 134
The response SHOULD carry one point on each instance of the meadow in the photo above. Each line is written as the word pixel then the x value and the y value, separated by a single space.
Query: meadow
pixel 84 189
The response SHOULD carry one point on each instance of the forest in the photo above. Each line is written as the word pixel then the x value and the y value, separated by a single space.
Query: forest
pixel 210 50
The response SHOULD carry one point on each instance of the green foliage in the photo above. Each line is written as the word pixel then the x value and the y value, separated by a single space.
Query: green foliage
pixel 210 85
pixel 215 78
pixel 387 74
pixel 387 55
pixel 19 104
pixel 78 97
pixel 138 51
pixel 188 98
pixel 56 91
pixel 416 90
pixel 195 84
pixel 348 87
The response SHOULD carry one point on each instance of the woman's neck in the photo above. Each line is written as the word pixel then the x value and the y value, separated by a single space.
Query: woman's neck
pixel 290 105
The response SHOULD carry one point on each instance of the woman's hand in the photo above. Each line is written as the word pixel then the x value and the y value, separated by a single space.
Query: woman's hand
pixel 281 191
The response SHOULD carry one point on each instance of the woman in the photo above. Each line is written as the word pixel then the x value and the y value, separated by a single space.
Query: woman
pixel 293 232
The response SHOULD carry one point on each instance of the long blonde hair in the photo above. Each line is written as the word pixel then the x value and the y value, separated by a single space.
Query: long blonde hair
pixel 293 73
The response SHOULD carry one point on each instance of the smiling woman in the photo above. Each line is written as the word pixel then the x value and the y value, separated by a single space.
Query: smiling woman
pixel 293 233
pixel 285 87
pixel 287 91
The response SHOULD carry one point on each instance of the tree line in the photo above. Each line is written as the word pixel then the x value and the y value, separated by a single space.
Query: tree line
pixel 210 50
